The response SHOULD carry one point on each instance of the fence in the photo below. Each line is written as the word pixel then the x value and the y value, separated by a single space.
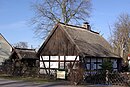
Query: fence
pixel 108 78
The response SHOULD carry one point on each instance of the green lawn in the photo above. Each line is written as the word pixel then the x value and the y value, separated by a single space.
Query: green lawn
pixel 29 79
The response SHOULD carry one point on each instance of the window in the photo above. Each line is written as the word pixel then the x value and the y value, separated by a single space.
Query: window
pixel 93 64
pixel 88 60
pixel 114 62
pixel 88 66
pixel 61 65
pixel 99 63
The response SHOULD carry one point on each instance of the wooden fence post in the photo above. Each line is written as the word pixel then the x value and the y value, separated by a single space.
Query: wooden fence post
pixel 107 72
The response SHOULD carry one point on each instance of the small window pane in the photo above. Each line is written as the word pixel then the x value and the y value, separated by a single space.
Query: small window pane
pixel 99 60
pixel 61 65
pixel 88 66
pixel 87 59
pixel 93 66
pixel 93 60
pixel 98 66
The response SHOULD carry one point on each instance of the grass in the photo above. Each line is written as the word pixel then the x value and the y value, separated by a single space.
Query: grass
pixel 29 79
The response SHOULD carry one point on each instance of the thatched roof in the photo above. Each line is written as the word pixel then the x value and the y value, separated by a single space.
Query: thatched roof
pixel 88 42
pixel 24 53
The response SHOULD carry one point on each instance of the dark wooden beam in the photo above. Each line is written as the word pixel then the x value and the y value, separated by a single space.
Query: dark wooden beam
pixel 85 63
pixel 90 65
pixel 58 62
pixel 49 65
pixel 64 61
pixel 44 65
pixel 50 68
pixel 96 63
pixel 61 60
pixel 74 62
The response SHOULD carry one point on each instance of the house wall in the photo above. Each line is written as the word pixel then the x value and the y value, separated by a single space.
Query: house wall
pixel 61 62
pixel 5 50
pixel 59 44
pixel 93 64
pixel 56 62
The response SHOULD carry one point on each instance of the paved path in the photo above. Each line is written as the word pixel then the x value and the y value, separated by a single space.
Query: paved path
pixel 13 83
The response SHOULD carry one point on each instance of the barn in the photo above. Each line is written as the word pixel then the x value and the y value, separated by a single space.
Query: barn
pixel 68 44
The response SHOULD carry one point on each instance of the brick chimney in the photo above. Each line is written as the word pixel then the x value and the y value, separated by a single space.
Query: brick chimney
pixel 86 25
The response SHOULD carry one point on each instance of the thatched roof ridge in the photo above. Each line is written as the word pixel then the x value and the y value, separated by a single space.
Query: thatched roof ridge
pixel 24 53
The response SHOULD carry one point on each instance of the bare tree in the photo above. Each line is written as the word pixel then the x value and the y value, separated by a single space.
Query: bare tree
pixel 49 12
pixel 21 45
pixel 121 36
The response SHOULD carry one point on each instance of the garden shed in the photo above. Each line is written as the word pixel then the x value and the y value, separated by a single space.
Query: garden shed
pixel 68 44
pixel 24 61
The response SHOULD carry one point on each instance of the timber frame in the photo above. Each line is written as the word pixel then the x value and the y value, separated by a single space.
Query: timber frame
pixel 74 41
pixel 63 62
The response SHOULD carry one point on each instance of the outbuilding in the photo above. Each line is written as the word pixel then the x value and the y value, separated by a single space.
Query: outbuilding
pixel 24 61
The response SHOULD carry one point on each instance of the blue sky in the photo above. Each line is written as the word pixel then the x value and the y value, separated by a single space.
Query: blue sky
pixel 15 16
pixel 106 12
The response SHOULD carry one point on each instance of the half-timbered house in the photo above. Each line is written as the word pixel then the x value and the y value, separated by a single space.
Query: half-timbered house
pixel 69 44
